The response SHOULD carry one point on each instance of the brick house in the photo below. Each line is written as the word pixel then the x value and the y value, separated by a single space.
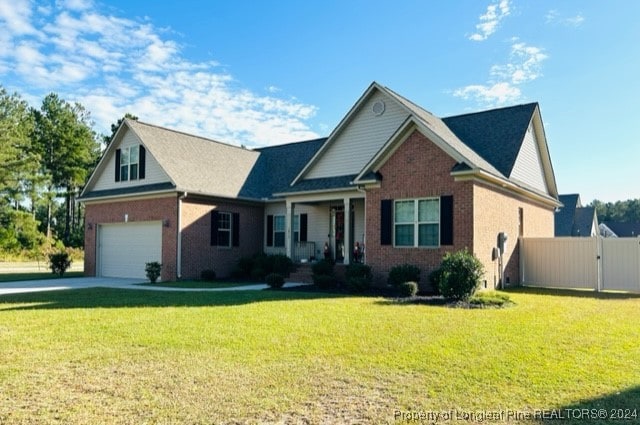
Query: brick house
pixel 401 183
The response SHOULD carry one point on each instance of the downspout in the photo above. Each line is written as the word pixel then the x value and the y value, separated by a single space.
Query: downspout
pixel 179 248
pixel 361 189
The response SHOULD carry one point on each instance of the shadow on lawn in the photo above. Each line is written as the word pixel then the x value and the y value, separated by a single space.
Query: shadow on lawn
pixel 123 298
pixel 576 293
pixel 620 407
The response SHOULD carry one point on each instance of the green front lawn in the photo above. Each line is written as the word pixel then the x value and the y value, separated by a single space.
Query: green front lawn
pixel 200 284
pixel 125 356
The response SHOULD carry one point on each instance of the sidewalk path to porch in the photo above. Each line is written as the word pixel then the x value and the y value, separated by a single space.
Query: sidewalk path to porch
pixel 26 286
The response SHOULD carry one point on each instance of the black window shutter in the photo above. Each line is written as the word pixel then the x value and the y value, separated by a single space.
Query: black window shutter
pixel 386 221
pixel 446 220
pixel 235 230
pixel 117 165
pixel 303 227
pixel 142 162
pixel 269 230
pixel 214 228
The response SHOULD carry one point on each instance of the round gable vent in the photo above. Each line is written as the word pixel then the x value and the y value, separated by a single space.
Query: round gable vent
pixel 378 108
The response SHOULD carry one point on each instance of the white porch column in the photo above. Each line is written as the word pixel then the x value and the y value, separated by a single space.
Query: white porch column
pixel 348 249
pixel 288 239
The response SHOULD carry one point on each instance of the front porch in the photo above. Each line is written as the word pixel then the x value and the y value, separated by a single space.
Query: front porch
pixel 309 229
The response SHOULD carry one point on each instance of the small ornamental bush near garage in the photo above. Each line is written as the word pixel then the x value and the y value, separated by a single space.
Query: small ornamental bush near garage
pixel 408 289
pixel 461 274
pixel 275 280
pixel 59 262
pixel 153 270
pixel 403 273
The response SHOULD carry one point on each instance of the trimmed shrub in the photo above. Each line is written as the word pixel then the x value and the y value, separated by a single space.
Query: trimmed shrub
pixel 358 277
pixel 461 274
pixel 275 280
pixel 358 284
pixel 408 289
pixel 153 270
pixel 403 273
pixel 257 273
pixel 59 262
pixel 323 267
pixel 324 281
pixel 279 263
pixel 208 275
pixel 434 280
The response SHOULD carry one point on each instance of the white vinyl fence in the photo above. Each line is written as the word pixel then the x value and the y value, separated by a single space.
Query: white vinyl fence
pixel 590 263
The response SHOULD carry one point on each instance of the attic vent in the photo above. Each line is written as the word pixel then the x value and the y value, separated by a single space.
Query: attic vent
pixel 378 108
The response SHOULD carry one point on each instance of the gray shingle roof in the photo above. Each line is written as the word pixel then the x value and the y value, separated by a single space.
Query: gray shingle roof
pixel 624 230
pixel 276 168
pixel 196 164
pixel 572 219
pixel 323 183
pixel 496 135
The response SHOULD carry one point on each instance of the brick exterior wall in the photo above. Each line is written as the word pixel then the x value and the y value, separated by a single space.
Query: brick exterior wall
pixel 498 211
pixel 137 210
pixel 420 169
pixel 197 252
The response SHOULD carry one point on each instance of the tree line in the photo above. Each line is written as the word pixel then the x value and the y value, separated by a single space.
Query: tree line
pixel 624 211
pixel 46 156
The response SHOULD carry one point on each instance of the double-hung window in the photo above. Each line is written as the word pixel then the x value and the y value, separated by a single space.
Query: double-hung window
pixel 417 222
pixel 278 230
pixel 224 229
pixel 129 163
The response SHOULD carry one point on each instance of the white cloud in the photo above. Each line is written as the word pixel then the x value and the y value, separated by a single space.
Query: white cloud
pixel 488 24
pixel 114 65
pixel 554 17
pixel 16 16
pixel 524 66
pixel 495 94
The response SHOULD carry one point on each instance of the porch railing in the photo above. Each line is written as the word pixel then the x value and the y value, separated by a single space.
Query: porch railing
pixel 303 251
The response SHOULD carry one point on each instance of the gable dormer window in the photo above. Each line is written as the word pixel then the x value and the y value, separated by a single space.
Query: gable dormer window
pixel 130 163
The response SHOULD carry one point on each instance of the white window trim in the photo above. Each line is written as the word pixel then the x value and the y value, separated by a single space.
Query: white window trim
pixel 416 222
pixel 228 230
pixel 127 151
pixel 295 229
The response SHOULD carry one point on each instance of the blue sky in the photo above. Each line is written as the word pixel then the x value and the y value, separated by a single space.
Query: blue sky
pixel 261 73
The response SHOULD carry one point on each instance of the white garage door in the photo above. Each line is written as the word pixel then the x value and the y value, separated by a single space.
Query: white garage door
pixel 124 248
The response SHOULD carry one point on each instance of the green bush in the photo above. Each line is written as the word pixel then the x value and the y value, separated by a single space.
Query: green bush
pixel 208 275
pixel 461 274
pixel 403 273
pixel 323 268
pixel 258 273
pixel 408 289
pixel 358 270
pixel 324 281
pixel 59 262
pixel 434 280
pixel 358 284
pixel 261 264
pixel 275 280
pixel 153 270
pixel 279 263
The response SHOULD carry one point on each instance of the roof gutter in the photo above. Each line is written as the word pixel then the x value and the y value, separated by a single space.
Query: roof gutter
pixel 505 184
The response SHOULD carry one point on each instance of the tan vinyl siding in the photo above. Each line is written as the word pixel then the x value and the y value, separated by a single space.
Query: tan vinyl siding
pixel 528 167
pixel 153 171
pixel 360 140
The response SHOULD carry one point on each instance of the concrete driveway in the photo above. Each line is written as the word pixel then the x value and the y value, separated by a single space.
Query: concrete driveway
pixel 25 286
pixel 110 282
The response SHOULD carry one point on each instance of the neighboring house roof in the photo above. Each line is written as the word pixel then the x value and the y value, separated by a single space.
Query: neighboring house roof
pixel 623 229
pixel 572 219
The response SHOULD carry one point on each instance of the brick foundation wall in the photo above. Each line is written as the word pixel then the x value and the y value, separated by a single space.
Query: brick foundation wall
pixel 417 169
pixel 137 210
pixel 197 252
